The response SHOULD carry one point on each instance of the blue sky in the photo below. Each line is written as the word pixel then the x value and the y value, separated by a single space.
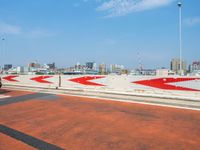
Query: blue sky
pixel 109 31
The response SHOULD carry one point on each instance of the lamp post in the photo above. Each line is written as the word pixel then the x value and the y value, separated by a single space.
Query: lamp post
pixel 180 35
pixel 2 40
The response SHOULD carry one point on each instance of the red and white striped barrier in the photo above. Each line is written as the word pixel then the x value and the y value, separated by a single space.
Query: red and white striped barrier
pixel 177 86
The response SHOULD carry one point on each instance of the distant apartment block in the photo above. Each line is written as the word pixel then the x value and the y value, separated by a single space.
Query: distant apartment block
pixel 175 66
pixel 90 65
pixel 102 69
pixel 52 66
pixel 7 67
pixel 195 66
pixel 115 68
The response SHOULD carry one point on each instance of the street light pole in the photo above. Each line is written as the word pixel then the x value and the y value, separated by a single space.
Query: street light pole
pixel 180 35
pixel 1 43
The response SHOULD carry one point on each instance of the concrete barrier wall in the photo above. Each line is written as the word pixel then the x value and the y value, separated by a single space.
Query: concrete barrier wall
pixel 126 84
pixel 31 80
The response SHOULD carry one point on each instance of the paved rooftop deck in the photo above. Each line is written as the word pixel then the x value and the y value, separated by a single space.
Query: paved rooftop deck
pixel 30 120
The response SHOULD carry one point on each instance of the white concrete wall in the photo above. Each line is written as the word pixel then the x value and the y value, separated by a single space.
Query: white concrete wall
pixel 25 80
pixel 110 83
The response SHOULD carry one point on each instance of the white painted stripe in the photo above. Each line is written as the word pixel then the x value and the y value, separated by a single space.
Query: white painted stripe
pixel 134 102
pixel 4 96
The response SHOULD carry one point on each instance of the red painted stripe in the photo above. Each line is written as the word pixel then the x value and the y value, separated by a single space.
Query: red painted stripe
pixel 161 83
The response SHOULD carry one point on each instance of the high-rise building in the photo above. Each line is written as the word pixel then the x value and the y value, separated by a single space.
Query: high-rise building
pixel 115 68
pixel 102 69
pixel 175 66
pixel 91 65
pixel 7 67
pixel 195 66
pixel 79 67
pixel 52 66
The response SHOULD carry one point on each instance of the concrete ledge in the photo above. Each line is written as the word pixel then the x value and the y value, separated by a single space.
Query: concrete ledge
pixel 143 94
pixel 160 100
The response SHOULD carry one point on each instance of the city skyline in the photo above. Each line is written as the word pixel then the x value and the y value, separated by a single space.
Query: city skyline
pixel 86 30
pixel 92 68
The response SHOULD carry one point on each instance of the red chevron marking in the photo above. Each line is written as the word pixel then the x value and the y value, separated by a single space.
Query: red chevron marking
pixel 162 83
pixel 85 80
pixel 10 78
pixel 41 79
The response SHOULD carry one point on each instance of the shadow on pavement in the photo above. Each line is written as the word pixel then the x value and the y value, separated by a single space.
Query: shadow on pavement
pixel 3 91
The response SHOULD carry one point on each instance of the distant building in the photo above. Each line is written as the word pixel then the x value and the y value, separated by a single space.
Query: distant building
pixel 16 70
pixel 92 72
pixel 143 72
pixel 52 66
pixel 20 69
pixel 124 71
pixel 135 72
pixel 102 69
pixel 90 65
pixel 1 70
pixel 175 66
pixel 34 65
pixel 195 66
pixel 45 66
pixel 79 67
pixel 76 70
pixel 115 68
pixel 162 72
pixel 7 67
pixel 148 72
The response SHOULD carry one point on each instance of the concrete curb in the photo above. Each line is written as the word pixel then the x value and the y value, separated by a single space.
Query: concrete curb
pixel 122 97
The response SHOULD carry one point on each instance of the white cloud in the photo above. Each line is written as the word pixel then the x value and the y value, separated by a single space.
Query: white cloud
pixel 122 7
pixel 6 28
pixel 39 33
pixel 192 21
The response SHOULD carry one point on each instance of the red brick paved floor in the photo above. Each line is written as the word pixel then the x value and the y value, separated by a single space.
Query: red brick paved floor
pixel 76 123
